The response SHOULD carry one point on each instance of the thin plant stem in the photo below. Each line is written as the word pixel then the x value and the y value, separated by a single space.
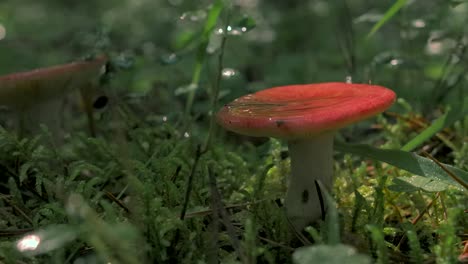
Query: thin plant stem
pixel 440 89
pixel 214 99
pixel 345 37
pixel 190 183
pixel 86 100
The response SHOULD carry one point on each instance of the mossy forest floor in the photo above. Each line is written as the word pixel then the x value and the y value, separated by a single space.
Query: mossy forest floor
pixel 162 183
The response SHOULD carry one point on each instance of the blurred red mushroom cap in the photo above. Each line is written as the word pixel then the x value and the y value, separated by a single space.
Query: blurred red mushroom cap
pixel 28 88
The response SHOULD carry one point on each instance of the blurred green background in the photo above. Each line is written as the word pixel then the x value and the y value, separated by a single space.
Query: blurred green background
pixel 419 52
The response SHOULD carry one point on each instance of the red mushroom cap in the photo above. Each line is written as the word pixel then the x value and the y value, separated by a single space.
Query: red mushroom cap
pixel 297 111
pixel 28 88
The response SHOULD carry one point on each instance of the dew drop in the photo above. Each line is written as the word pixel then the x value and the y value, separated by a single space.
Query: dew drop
pixel 185 89
pixel 193 16
pixel 228 73
pixel 186 135
pixel 169 58
pixel 236 31
pixel 434 47
pixel 219 31
pixel 418 23
pixel 395 62
pixel 439 43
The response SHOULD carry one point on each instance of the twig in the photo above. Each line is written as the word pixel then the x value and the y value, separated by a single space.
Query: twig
pixel 416 220
pixel 23 214
pixel 274 243
pixel 418 217
pixel 117 201
pixel 15 232
pixel 443 206
pixel 176 173
pixel 213 245
pixel 298 233
pixel 453 176
pixel 188 190
pixel 232 206
pixel 217 200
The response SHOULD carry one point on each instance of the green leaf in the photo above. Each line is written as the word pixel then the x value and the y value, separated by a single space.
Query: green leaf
pixel 39 181
pixel 332 219
pixel 416 183
pixel 436 126
pixel 78 167
pixel 387 16
pixel 212 18
pixel 325 254
pixel 406 161
pixel 23 171
pixel 185 38
pixel 378 239
pixel 455 3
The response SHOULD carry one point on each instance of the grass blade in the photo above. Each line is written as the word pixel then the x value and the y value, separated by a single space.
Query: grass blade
pixel 208 27
pixel 387 16
pixel 332 221
pixel 450 117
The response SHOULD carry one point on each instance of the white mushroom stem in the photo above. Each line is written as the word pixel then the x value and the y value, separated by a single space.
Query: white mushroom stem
pixel 311 160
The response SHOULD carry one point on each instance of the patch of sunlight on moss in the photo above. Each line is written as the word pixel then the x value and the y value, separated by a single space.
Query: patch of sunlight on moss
pixel 390 231
pixel 276 176
pixel 366 191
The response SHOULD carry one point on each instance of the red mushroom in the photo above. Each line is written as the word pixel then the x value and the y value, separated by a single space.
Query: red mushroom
pixel 25 90
pixel 307 116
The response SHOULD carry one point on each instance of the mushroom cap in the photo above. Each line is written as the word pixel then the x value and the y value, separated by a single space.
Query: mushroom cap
pixel 298 111
pixel 24 89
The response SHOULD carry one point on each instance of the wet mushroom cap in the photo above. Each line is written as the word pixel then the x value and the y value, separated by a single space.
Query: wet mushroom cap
pixel 27 88
pixel 297 111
